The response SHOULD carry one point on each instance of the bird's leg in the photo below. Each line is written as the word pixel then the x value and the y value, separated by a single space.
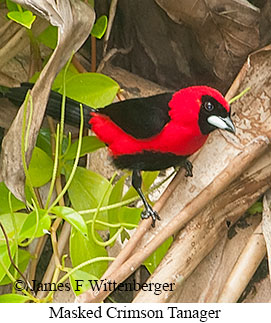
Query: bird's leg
pixel 188 167
pixel 137 182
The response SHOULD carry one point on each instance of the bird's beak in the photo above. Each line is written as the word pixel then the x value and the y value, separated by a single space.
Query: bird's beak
pixel 222 123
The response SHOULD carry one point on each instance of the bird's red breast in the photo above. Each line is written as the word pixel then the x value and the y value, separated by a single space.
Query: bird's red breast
pixel 174 138
pixel 180 136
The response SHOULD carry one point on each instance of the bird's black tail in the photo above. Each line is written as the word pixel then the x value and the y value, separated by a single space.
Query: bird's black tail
pixel 72 112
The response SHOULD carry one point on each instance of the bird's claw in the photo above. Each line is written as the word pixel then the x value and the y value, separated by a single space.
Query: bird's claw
pixel 188 167
pixel 149 212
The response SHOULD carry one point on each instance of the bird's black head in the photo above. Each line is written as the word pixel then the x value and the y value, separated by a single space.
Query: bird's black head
pixel 214 115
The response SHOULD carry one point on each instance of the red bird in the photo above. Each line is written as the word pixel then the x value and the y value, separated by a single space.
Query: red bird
pixel 151 133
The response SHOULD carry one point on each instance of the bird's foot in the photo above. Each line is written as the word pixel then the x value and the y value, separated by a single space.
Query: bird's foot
pixel 149 212
pixel 188 167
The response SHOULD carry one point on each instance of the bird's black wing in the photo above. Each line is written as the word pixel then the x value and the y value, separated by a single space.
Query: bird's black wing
pixel 141 117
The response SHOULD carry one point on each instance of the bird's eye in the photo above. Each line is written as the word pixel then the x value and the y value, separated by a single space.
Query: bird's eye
pixel 208 106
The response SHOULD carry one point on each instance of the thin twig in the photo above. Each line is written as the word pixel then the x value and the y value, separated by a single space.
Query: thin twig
pixel 80 68
pixel 51 124
pixel 54 241
pixel 37 253
pixel 62 241
pixel 37 192
pixel 112 13
pixel 111 54
pixel 93 54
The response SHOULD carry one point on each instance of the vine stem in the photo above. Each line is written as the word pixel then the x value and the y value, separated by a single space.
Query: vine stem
pixel 66 227
pixel 37 253
pixel 71 271
pixel 113 225
pixel 100 243
pixel 51 268
pixel 59 197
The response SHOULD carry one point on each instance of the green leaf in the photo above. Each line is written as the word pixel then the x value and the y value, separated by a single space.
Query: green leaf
pixel 7 223
pixel 115 196
pixel 130 215
pixel 122 214
pixel 147 180
pixel 82 250
pixel 49 37
pixel 25 18
pixel 23 261
pixel 89 144
pixel 256 208
pixel 99 27
pixel 86 190
pixel 81 277
pixel 44 141
pixel 35 225
pixel 11 5
pixel 74 218
pixel 117 192
pixel 4 204
pixel 124 235
pixel 13 298
pixel 93 89
pixel 155 258
pixel 58 82
pixel 40 167
pixel 4 257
